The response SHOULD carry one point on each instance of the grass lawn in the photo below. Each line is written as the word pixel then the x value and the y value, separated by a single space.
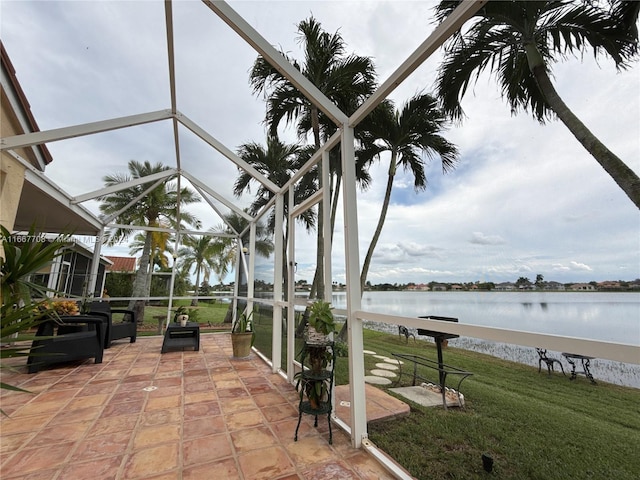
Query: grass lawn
pixel 534 426
pixel 206 312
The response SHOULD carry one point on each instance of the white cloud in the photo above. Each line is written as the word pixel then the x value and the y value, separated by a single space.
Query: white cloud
pixel 482 239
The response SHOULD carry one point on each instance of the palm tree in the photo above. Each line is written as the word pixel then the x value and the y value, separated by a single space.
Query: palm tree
pixel 407 135
pixel 278 162
pixel 200 252
pixel 518 41
pixel 160 251
pixel 345 79
pixel 156 207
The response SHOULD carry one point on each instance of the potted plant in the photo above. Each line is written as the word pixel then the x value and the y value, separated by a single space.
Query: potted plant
pixel 181 315
pixel 315 389
pixel 242 334
pixel 320 323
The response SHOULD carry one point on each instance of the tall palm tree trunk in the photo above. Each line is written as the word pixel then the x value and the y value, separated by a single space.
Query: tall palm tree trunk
pixel 381 219
pixel 319 276
pixel 626 178
pixel 376 235
pixel 140 282
pixel 194 300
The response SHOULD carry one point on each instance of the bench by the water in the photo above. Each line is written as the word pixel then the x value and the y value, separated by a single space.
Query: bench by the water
pixel 443 371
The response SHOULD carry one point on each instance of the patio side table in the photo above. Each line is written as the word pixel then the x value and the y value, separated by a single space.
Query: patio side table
pixel 178 337
pixel 586 363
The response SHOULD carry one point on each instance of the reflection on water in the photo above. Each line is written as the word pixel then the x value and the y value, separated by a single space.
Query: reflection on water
pixel 612 317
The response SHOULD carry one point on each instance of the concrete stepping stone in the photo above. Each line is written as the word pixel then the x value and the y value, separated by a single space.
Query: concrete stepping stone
pixel 386 366
pixel 376 380
pixel 394 361
pixel 381 357
pixel 368 352
pixel 383 373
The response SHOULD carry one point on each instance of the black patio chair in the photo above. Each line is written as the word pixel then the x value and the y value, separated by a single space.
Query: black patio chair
pixel 69 338
pixel 549 361
pixel 126 327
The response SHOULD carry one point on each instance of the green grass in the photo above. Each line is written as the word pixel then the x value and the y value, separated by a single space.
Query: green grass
pixel 207 312
pixel 533 425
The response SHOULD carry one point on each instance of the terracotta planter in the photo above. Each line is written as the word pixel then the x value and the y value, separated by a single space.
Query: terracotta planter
pixel 241 343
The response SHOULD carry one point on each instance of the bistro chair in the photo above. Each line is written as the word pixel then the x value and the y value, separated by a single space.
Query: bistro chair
pixel 549 361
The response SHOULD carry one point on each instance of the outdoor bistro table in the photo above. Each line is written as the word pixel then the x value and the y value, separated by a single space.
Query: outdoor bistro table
pixel 178 337
pixel 439 337
pixel 586 362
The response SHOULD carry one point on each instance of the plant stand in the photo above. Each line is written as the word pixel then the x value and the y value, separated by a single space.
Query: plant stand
pixel 310 378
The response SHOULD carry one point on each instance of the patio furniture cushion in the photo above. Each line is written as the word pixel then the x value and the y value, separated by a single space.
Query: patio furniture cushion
pixel 75 337
pixel 126 327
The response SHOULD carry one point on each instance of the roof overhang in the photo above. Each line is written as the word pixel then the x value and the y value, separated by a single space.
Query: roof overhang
pixel 46 205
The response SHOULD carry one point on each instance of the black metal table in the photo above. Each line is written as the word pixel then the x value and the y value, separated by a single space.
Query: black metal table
pixel 439 337
pixel 178 337
pixel 586 363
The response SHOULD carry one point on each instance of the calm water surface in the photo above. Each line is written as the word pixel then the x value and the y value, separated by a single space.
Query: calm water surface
pixel 611 317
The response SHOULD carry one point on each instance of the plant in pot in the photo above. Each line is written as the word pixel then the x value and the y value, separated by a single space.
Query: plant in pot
pixel 181 315
pixel 320 325
pixel 315 383
pixel 242 334
pixel 315 389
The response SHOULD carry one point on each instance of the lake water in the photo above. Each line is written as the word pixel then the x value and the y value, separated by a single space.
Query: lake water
pixel 611 317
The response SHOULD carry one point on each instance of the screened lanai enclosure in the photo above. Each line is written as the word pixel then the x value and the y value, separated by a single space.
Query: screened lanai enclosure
pixel 197 153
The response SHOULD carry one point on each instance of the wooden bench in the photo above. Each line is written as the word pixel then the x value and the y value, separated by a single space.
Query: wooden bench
pixel 443 370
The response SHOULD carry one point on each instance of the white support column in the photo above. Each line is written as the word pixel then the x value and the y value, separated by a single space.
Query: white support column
pixel 237 282
pixel 251 266
pixel 352 262
pixel 172 281
pixel 276 339
pixel 326 222
pixel 291 278
pixel 95 266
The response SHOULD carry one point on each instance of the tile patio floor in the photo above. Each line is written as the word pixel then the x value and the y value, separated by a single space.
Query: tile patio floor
pixel 206 416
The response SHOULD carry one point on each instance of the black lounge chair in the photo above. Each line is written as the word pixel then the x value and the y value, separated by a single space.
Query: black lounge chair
pixel 75 337
pixel 549 361
pixel 126 328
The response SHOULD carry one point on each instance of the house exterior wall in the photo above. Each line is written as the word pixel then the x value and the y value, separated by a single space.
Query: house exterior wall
pixel 16 118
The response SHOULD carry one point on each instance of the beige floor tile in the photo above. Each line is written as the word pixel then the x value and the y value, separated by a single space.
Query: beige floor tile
pixel 265 464
pixel 206 449
pixel 146 437
pixel 226 468
pixel 253 438
pixel 202 427
pixel 143 464
pixel 310 450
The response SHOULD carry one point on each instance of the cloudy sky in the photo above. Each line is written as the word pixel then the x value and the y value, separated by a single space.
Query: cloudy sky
pixel 524 200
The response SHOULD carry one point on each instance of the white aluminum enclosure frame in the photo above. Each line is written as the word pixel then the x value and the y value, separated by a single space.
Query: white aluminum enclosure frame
pixel 354 312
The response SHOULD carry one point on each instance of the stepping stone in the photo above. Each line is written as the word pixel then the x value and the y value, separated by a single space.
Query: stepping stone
pixel 376 380
pixel 383 373
pixel 381 357
pixel 386 366
pixel 393 361
pixel 368 352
